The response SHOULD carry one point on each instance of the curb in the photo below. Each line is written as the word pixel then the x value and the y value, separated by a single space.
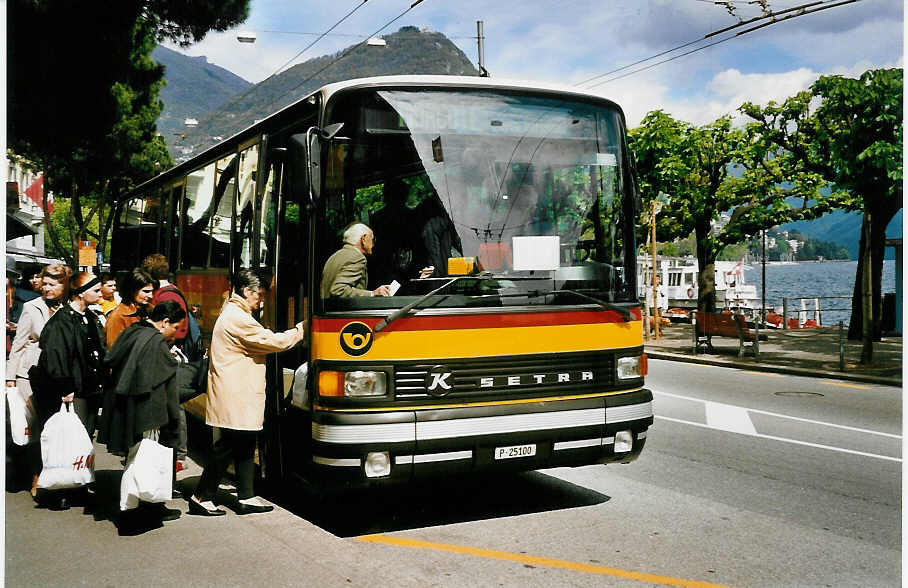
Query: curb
pixel 779 369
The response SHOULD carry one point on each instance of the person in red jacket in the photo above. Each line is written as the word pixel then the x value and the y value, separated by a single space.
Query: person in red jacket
pixel 156 265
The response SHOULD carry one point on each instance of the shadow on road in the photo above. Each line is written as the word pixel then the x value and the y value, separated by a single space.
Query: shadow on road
pixel 437 502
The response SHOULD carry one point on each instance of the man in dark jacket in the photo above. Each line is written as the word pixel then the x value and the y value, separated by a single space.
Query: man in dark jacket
pixel 142 397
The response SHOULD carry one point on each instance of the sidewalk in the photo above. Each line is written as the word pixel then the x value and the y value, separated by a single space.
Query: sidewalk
pixel 804 352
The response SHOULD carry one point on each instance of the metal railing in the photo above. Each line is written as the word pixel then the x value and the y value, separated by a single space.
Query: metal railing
pixel 817 310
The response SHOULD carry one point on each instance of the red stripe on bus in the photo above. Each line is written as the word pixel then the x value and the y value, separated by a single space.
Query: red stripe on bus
pixel 480 321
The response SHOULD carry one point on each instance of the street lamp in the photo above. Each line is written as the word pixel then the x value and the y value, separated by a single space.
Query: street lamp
pixel 245 37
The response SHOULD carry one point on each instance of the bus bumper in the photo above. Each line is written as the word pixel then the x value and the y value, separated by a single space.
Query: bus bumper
pixel 395 446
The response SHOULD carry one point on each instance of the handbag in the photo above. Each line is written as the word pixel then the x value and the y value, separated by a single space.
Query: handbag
pixel 192 379
pixel 148 475
pixel 21 415
pixel 67 453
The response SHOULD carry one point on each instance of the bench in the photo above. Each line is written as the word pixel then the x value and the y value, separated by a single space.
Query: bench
pixel 719 324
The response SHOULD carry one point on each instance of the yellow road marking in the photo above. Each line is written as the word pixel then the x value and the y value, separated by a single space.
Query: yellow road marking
pixel 768 375
pixel 842 385
pixel 534 560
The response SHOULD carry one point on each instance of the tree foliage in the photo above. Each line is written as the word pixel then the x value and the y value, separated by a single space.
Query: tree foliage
pixel 848 133
pixel 709 171
pixel 83 93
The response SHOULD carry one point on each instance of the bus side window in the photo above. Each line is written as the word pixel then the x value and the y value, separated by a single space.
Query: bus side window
pixel 196 217
pixel 245 196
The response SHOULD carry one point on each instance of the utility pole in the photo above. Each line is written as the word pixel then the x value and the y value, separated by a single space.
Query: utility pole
pixel 763 280
pixel 657 320
pixel 483 72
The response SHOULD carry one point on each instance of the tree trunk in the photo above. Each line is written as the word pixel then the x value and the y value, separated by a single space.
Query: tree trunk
pixel 706 280
pixel 881 220
pixel 867 296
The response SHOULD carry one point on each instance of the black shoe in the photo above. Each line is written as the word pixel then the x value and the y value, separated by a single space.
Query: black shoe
pixel 176 494
pixel 196 508
pixel 242 508
pixel 169 514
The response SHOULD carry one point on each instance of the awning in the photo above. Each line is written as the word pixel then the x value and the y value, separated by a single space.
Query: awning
pixel 16 227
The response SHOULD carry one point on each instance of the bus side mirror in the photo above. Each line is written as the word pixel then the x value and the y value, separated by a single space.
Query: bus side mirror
pixel 298 168
pixel 312 141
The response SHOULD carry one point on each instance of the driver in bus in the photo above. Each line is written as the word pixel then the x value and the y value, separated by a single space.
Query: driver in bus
pixel 345 274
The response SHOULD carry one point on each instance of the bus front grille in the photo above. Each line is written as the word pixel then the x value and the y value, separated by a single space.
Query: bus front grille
pixel 539 375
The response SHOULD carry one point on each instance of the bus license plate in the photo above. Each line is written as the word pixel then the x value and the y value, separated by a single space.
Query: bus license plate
pixel 515 451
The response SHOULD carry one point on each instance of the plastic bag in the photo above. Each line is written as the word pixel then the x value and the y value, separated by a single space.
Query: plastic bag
pixel 148 475
pixel 66 452
pixel 21 415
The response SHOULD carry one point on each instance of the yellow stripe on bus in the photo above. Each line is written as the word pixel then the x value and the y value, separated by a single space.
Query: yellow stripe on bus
pixel 390 345
pixel 477 404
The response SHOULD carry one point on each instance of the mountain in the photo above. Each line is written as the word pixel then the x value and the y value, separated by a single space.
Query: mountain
pixel 408 51
pixel 194 88
pixel 843 228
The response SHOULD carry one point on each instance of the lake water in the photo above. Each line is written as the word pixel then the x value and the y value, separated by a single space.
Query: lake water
pixel 807 279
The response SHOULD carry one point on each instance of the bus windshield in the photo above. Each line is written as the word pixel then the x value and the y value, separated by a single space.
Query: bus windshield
pixel 526 195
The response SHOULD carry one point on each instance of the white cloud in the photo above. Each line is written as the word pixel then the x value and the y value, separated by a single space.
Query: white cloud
pixel 572 40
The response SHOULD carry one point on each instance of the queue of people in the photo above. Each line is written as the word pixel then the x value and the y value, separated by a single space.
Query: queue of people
pixel 73 346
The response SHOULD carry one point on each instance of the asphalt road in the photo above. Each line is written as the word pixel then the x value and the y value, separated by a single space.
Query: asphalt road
pixel 747 479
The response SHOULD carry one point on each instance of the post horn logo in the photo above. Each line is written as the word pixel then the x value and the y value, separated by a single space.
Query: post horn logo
pixel 356 339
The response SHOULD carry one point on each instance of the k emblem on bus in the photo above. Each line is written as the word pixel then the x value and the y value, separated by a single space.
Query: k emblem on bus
pixel 356 339
pixel 439 380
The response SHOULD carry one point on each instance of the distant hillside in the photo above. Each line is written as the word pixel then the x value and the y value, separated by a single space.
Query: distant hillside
pixel 408 51
pixel 843 228
pixel 194 88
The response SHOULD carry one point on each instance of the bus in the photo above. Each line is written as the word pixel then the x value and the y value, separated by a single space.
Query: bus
pixel 520 345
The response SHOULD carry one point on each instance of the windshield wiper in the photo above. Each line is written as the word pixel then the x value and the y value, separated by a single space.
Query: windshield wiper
pixel 403 310
pixel 625 313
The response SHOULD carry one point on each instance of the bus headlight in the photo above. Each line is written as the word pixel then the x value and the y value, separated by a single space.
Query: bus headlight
pixel 624 441
pixel 378 464
pixel 361 383
pixel 631 367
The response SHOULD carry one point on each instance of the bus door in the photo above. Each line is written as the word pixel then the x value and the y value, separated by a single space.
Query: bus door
pixel 280 248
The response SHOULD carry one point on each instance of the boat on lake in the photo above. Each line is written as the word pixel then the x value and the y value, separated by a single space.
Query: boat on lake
pixel 679 276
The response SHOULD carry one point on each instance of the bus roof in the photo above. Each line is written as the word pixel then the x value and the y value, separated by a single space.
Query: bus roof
pixel 227 146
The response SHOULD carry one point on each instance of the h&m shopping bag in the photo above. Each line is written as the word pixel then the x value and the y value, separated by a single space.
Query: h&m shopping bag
pixel 67 453
pixel 21 415
pixel 148 475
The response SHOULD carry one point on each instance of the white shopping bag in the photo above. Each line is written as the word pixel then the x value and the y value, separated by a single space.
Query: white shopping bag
pixel 21 415
pixel 148 475
pixel 66 452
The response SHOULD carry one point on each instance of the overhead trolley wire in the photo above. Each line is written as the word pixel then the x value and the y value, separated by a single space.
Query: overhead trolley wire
pixel 350 49
pixel 252 87
pixel 801 10
pixel 320 37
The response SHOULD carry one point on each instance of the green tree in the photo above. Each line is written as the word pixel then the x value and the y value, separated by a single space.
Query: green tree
pixel 709 171
pixel 849 132
pixel 83 94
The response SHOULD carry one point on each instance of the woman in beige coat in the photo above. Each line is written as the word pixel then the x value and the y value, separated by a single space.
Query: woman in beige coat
pixel 236 393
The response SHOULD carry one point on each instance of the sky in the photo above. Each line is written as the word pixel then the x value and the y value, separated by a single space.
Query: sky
pixel 569 41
